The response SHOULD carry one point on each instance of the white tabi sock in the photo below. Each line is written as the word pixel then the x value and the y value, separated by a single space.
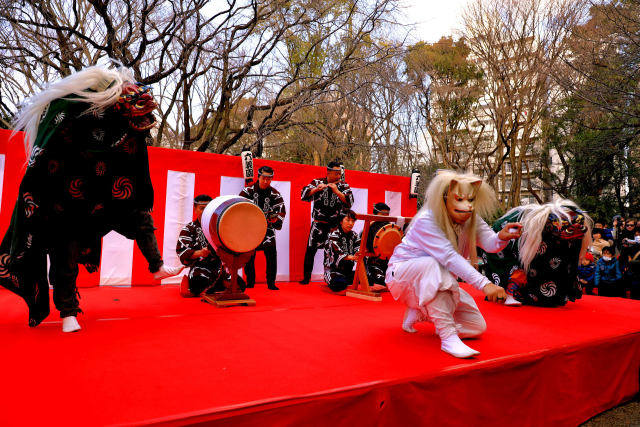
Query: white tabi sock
pixel 411 316
pixel 166 271
pixel 70 324
pixel 455 347
pixel 512 301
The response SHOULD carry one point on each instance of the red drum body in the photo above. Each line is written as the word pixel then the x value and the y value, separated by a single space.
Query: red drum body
pixel 234 223
pixel 383 238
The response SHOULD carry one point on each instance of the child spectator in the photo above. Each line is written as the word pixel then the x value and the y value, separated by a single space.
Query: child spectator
pixel 606 233
pixel 586 273
pixel 598 242
pixel 608 276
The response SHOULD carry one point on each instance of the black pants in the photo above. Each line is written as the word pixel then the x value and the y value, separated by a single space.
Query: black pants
pixel 199 284
pixel 271 255
pixel 340 281
pixel 376 270
pixel 317 238
pixel 63 272
pixel 138 226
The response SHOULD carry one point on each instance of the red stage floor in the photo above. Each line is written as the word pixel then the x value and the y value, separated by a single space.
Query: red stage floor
pixel 305 357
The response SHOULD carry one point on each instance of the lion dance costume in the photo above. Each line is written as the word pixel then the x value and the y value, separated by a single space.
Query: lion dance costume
pixel 540 268
pixel 87 174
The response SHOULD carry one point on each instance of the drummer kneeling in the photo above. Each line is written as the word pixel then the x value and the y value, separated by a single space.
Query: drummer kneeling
pixel 376 267
pixel 340 253
pixel 206 273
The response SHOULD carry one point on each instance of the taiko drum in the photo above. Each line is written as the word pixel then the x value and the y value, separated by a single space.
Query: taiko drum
pixel 383 238
pixel 234 223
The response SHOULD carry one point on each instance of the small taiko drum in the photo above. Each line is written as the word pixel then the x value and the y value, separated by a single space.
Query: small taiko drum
pixel 234 223
pixel 383 238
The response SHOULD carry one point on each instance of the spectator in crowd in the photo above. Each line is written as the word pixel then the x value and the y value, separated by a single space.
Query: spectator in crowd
pixel 608 276
pixel 606 233
pixel 586 273
pixel 628 246
pixel 616 229
pixel 628 263
pixel 629 230
pixel 598 242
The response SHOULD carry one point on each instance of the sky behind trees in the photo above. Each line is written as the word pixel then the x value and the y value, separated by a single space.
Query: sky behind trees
pixel 433 18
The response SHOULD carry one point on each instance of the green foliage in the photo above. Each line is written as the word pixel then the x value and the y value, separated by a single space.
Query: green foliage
pixel 445 61
pixel 450 85
pixel 601 157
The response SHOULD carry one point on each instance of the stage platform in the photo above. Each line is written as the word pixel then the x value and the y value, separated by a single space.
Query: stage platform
pixel 303 356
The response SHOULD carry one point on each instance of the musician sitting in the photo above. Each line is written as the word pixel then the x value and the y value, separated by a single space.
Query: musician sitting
pixel 340 253
pixel 206 274
pixel 377 267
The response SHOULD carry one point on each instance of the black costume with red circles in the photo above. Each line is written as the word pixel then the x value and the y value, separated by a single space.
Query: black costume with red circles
pixel 87 174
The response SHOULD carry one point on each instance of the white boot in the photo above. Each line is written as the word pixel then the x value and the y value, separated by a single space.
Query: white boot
pixel 165 272
pixel 70 324
pixel 455 347
pixel 411 316
pixel 512 301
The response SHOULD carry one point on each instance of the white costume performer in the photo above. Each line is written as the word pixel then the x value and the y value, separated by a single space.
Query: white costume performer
pixel 423 269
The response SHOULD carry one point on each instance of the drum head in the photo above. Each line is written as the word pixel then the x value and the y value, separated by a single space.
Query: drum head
pixel 242 227
pixel 233 223
pixel 386 240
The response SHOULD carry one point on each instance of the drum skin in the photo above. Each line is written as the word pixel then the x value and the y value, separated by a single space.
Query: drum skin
pixel 234 223
pixel 383 238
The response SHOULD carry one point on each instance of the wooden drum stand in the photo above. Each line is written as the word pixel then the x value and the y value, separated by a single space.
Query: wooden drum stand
pixel 382 245
pixel 235 227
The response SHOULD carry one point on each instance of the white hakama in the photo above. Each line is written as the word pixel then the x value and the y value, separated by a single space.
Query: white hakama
pixel 423 275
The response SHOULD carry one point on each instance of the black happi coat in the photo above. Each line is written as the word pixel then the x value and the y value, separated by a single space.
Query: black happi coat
pixel 338 246
pixel 326 204
pixel 376 269
pixel 272 204
pixel 192 239
pixel 86 173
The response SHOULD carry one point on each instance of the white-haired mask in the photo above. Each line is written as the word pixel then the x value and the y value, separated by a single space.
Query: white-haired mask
pixel 460 199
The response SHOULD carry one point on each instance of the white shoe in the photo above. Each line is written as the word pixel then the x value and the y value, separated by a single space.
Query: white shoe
pixel 165 272
pixel 411 317
pixel 70 324
pixel 512 301
pixel 455 347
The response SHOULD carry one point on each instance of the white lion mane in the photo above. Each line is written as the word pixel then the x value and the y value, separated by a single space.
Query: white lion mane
pixel 99 85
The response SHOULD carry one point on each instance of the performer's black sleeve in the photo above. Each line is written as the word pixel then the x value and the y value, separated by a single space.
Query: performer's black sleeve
pixel 279 209
pixel 184 248
pixel 245 193
pixel 305 196
pixel 348 195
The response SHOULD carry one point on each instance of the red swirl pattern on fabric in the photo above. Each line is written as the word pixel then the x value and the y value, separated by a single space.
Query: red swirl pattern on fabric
pixel 75 189
pixel 122 188
pixel 29 205
pixel 4 265
pixel 101 168
pixel 130 146
pixel 53 166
